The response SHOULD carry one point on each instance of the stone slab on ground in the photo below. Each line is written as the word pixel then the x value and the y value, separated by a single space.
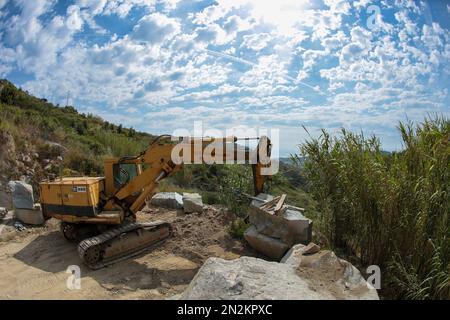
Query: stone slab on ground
pixel 273 248
pixel 170 200
pixel 30 216
pixel 22 195
pixel 192 202
pixel 250 278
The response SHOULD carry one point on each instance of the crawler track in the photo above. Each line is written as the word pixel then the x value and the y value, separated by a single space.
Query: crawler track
pixel 122 242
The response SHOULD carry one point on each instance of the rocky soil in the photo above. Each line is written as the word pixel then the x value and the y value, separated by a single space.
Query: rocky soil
pixel 26 162
pixel 33 262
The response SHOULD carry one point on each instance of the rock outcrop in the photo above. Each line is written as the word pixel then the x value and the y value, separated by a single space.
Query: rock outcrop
pixel 318 276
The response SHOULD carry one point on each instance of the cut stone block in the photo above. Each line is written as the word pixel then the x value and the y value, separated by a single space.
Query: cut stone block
pixel 170 200
pixel 264 198
pixel 291 227
pixel 192 202
pixel 22 195
pixel 30 216
pixel 273 248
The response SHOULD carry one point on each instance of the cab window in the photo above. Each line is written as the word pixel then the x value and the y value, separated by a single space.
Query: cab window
pixel 123 173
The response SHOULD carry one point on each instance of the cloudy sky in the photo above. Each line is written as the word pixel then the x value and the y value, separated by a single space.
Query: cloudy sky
pixel 160 65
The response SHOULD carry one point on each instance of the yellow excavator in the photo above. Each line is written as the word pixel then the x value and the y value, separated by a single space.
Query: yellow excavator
pixel 101 211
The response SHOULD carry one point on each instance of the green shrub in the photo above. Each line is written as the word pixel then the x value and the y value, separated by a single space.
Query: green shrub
pixel 237 180
pixel 7 94
pixel 210 197
pixel 80 161
pixel 237 228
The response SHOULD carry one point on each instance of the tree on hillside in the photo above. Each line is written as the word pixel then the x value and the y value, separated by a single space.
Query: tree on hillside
pixel 7 94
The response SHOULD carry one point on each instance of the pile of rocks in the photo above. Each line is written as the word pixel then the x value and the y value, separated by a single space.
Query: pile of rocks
pixel 273 235
pixel 189 202
pixel 5 196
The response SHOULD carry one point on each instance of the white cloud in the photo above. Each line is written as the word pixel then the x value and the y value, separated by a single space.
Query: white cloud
pixel 335 41
pixel 256 41
pixel 36 44
pixel 310 58
pixel 338 6
pixel 361 36
pixel 359 4
pixel 234 24
pixel 351 52
pixel 74 20
pixel 209 15
pixel 3 3
pixel 155 28
pixel 123 7
pixel 431 36
pixel 266 76
pixel 403 18
pixel 201 95
pixel 212 34
pixel 92 6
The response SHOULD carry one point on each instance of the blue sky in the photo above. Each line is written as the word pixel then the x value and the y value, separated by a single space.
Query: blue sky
pixel 160 65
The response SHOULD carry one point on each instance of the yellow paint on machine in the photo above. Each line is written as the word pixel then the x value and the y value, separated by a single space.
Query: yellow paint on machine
pixel 72 191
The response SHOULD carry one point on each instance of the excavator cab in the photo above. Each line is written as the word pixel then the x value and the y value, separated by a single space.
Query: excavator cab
pixel 123 173
pixel 118 174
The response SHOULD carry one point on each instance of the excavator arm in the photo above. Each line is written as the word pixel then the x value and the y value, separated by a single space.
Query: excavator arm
pixel 163 158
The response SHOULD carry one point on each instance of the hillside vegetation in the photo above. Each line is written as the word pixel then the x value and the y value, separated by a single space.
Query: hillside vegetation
pixel 391 210
pixel 40 139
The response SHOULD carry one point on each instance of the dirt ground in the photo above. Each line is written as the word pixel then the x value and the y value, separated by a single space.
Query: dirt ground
pixel 33 262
